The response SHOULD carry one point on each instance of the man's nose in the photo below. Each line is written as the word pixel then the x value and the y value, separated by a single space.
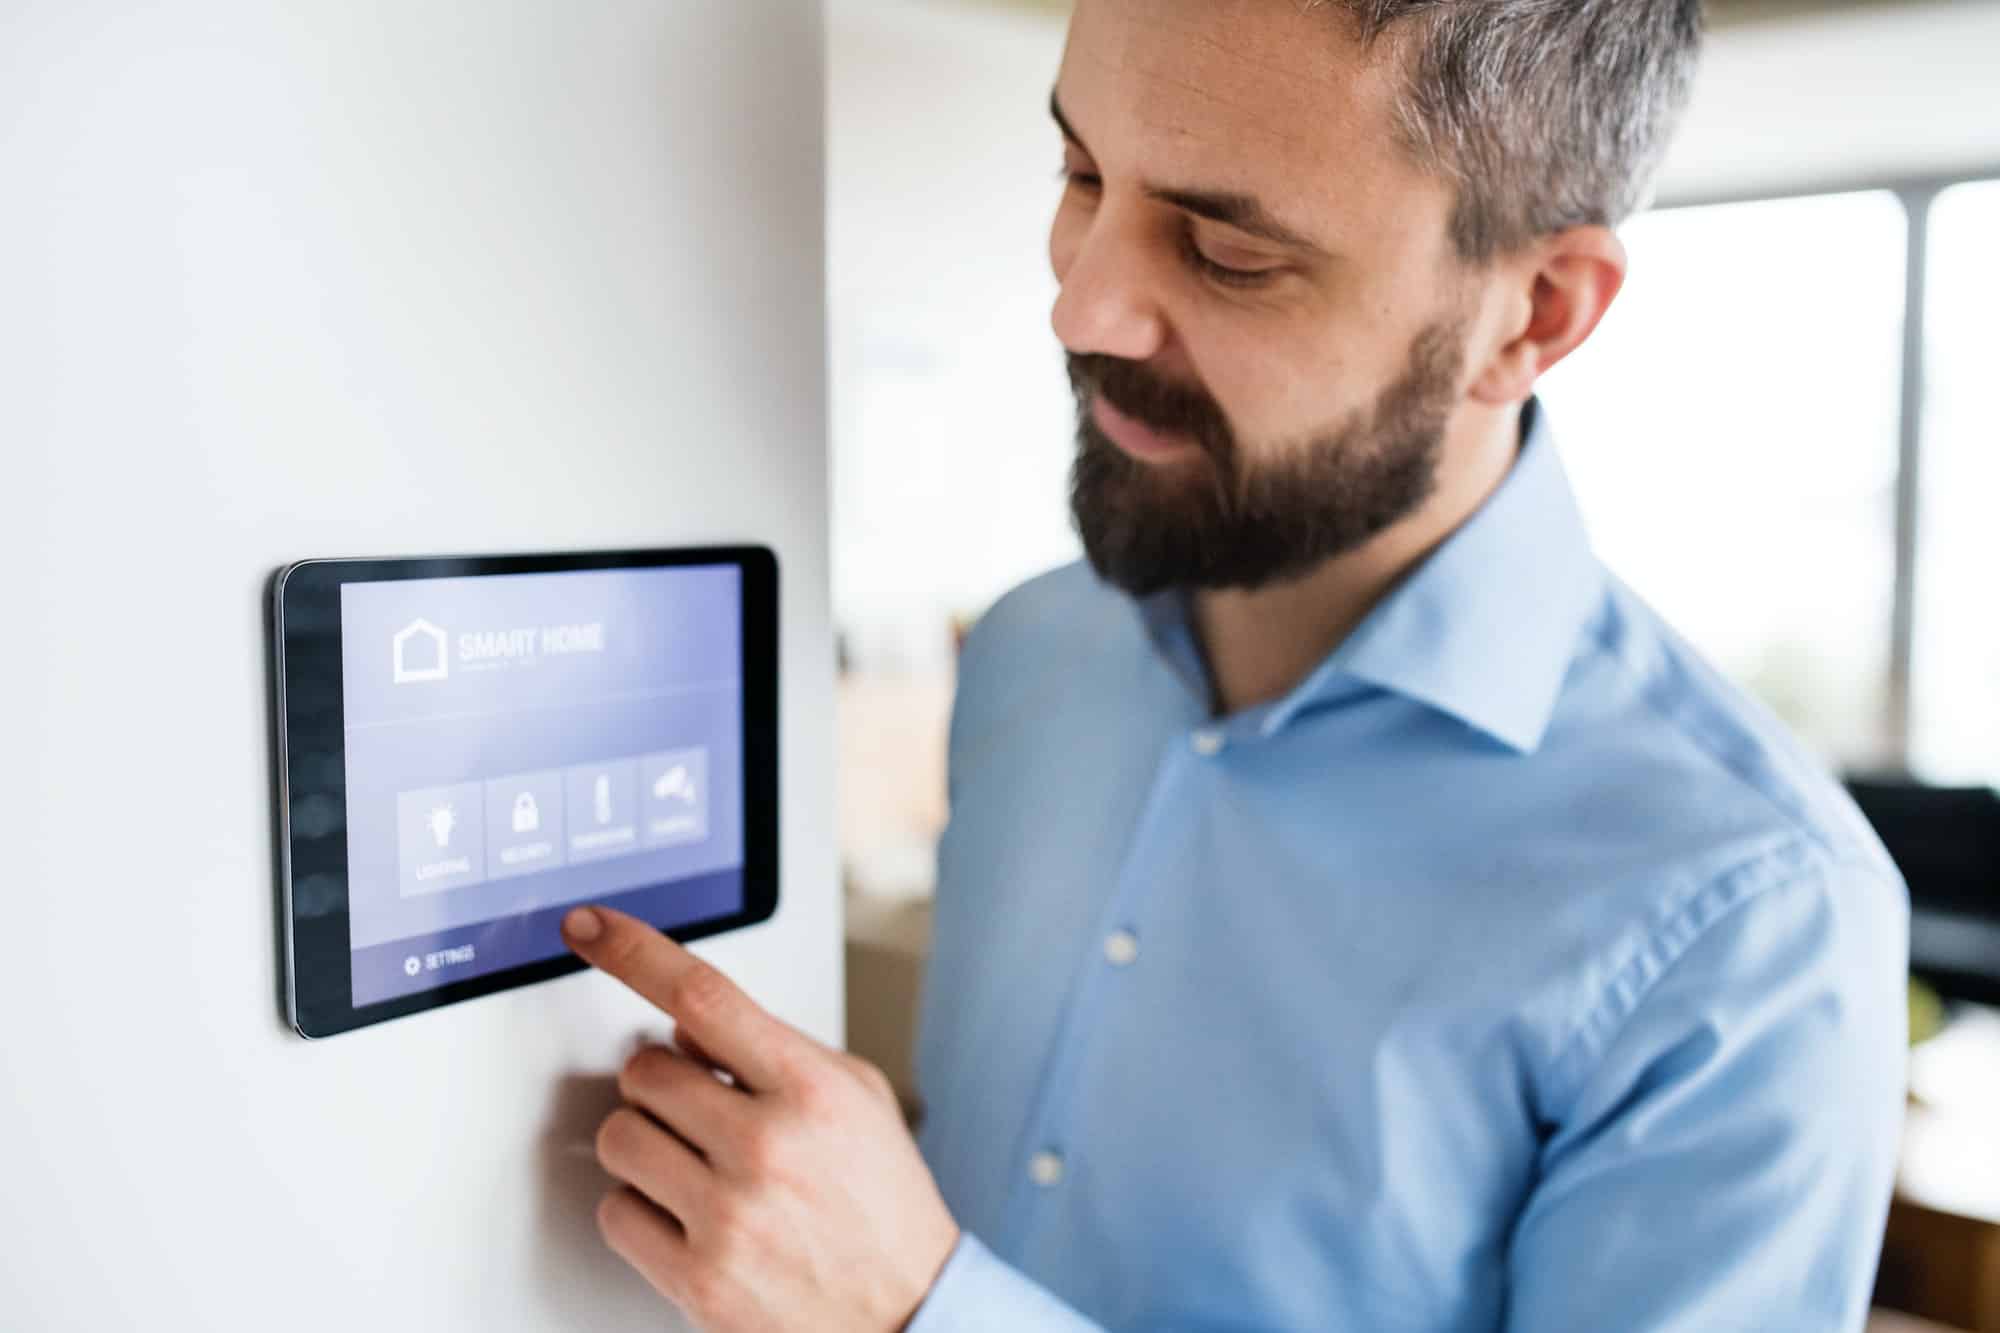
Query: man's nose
pixel 1107 304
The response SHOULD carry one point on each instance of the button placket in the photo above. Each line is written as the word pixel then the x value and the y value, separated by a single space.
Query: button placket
pixel 1047 1164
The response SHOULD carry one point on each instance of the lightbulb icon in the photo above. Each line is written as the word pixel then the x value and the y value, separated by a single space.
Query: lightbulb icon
pixel 442 821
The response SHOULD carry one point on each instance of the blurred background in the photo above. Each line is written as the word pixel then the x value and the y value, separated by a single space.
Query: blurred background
pixel 1786 436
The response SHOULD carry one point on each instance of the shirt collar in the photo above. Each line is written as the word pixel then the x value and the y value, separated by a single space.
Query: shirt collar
pixel 1483 630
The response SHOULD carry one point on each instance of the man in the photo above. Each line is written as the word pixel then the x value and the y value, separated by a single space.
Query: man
pixel 1358 911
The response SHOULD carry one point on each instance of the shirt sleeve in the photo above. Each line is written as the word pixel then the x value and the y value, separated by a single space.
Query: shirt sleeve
pixel 1724 1160
pixel 977 1293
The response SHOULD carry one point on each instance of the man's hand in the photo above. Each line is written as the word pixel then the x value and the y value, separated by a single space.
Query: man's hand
pixel 790 1196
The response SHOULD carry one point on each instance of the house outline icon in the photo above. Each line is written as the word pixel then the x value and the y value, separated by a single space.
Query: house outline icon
pixel 408 675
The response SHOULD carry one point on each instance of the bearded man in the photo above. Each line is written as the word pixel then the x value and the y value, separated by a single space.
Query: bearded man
pixel 1359 911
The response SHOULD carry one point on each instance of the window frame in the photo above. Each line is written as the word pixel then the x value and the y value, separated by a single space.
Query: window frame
pixel 1917 192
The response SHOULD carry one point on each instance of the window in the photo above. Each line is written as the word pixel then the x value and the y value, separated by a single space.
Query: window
pixel 1732 433
pixel 1955 698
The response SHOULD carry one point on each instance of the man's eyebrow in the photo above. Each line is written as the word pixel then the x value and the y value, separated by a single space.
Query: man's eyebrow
pixel 1232 209
pixel 1241 211
pixel 1062 121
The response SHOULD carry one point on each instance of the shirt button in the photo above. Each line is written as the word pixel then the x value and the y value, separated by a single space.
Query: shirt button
pixel 1046 1169
pixel 1121 948
pixel 1208 742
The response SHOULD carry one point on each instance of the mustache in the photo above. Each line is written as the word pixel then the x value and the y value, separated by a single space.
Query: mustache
pixel 1153 400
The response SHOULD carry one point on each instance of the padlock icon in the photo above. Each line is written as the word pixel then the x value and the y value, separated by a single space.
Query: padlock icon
pixel 527 816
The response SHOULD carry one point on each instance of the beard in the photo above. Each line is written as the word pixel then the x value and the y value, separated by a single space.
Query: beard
pixel 1223 521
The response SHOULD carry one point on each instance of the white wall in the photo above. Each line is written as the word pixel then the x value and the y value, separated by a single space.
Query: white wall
pixel 328 277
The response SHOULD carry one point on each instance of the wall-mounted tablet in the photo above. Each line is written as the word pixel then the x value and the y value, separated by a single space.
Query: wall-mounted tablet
pixel 469 746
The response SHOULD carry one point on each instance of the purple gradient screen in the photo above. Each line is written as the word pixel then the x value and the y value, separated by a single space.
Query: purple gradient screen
pixel 520 743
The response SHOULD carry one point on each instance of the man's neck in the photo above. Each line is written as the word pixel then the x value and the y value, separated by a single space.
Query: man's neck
pixel 1260 644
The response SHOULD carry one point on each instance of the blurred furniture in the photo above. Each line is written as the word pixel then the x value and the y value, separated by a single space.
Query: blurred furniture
pixel 887 944
pixel 1941 1256
pixel 892 743
pixel 893 740
pixel 1889 1321
pixel 1946 841
pixel 1945 1264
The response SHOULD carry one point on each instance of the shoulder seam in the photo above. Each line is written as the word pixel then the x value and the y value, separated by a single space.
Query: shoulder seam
pixel 1793 815
pixel 1625 993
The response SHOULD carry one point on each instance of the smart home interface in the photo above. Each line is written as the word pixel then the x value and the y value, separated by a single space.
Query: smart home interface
pixel 519 744
pixel 514 744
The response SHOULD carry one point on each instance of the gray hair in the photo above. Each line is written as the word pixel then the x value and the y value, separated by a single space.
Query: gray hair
pixel 1544 114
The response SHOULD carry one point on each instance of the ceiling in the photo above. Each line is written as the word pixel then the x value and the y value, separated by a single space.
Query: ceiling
pixel 1722 13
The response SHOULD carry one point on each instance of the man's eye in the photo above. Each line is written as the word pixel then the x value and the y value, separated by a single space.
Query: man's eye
pixel 1223 273
pixel 1077 176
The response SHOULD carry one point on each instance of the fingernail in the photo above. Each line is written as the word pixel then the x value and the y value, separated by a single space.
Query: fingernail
pixel 583 925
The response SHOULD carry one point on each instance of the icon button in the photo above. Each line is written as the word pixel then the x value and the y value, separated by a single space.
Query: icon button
pixel 524 824
pixel 443 819
pixel 440 836
pixel 675 787
pixel 603 805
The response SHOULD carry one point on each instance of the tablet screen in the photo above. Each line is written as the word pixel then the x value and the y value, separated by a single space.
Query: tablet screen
pixel 516 744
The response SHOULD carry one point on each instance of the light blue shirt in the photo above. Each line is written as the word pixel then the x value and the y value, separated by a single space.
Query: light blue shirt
pixel 1514 972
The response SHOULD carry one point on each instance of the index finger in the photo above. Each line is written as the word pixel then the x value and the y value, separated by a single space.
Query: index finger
pixel 724 1022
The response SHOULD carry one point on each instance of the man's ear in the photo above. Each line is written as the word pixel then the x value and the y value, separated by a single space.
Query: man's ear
pixel 1561 288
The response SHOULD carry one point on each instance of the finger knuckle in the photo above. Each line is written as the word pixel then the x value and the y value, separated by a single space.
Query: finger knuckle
pixel 702 1292
pixel 762 1147
pixel 645 1072
pixel 729 1219
pixel 873 1079
pixel 816 1088
pixel 617 1138
pixel 699 993
pixel 615 1219
pixel 726 1229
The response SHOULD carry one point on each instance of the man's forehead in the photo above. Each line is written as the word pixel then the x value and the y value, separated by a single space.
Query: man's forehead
pixel 1229 77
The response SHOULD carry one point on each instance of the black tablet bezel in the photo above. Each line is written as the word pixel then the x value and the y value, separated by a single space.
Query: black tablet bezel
pixel 308 697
